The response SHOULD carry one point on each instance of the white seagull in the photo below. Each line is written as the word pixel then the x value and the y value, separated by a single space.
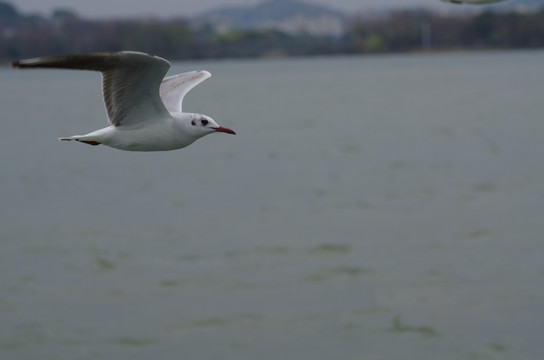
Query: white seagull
pixel 144 108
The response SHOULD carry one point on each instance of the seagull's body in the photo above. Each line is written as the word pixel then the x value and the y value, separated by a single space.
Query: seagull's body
pixel 143 107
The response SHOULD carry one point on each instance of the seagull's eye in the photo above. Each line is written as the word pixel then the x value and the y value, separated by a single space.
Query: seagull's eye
pixel 193 123
pixel 204 122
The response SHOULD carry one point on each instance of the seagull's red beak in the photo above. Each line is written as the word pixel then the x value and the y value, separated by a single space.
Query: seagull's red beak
pixel 225 130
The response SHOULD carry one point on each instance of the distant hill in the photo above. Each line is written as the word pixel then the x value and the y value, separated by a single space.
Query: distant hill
pixel 8 11
pixel 291 16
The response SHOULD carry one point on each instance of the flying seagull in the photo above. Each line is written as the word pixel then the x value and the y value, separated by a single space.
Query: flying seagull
pixel 472 2
pixel 143 107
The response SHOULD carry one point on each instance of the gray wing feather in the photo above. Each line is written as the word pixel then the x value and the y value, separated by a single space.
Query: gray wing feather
pixel 130 81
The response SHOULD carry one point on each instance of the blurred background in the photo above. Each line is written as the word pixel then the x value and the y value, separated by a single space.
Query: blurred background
pixel 276 28
pixel 382 199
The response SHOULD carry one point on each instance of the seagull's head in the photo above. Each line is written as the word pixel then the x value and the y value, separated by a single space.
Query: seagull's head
pixel 200 125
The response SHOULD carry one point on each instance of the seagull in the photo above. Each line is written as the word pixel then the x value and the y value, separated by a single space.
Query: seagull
pixel 144 108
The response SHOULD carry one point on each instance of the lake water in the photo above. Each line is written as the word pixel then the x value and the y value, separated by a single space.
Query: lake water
pixel 383 207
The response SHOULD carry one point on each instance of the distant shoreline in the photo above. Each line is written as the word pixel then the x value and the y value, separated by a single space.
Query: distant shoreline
pixel 394 32
pixel 7 63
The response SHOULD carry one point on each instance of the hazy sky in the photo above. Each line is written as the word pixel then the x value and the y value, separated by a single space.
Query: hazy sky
pixel 175 8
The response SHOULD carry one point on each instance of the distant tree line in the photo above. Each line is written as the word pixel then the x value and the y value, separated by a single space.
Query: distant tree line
pixel 404 31
pixel 409 31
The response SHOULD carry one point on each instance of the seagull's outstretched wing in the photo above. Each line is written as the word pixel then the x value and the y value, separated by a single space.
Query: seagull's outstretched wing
pixel 130 82
pixel 174 88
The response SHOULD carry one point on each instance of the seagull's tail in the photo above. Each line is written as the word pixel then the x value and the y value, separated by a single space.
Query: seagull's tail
pixel 80 139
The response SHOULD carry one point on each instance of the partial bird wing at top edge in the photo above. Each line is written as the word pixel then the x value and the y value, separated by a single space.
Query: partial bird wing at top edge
pixel 472 2
pixel 174 88
pixel 130 81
